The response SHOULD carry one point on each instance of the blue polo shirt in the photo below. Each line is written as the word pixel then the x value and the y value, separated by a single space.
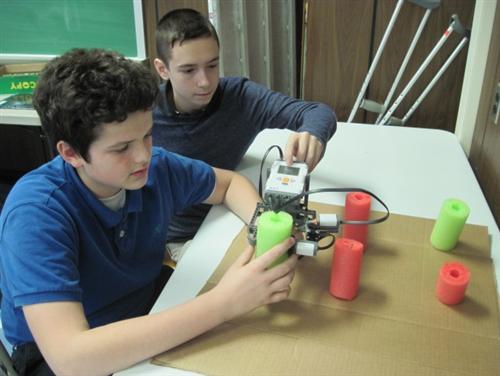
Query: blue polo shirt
pixel 58 242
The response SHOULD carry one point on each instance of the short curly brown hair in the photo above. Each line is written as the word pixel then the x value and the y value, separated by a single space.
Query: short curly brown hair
pixel 84 88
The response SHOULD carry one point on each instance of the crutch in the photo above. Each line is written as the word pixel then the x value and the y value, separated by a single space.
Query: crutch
pixel 369 75
pixel 455 25
pixel 431 84
pixel 429 5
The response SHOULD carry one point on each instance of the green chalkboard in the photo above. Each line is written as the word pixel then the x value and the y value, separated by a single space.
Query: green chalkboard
pixel 51 27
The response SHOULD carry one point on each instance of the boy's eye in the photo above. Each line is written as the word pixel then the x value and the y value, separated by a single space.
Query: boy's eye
pixel 187 71
pixel 149 134
pixel 122 149
pixel 213 65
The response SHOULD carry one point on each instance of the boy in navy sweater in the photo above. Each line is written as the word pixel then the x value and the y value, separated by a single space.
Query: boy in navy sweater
pixel 82 237
pixel 216 120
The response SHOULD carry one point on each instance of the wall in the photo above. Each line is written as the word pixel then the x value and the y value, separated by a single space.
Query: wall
pixel 485 143
pixel 474 76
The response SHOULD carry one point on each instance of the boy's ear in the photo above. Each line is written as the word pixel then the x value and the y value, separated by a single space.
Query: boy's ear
pixel 161 68
pixel 69 154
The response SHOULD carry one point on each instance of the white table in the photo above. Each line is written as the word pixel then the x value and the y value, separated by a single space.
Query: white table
pixel 412 169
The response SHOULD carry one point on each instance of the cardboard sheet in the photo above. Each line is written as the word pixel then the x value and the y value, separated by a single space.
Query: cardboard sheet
pixel 395 326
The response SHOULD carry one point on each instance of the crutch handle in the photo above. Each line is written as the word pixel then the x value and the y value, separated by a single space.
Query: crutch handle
pixel 457 25
pixel 427 4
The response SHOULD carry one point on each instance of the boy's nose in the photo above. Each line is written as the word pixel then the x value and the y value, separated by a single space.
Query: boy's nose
pixel 203 80
pixel 142 154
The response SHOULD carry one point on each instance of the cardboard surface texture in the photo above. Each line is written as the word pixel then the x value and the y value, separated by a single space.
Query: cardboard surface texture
pixel 395 326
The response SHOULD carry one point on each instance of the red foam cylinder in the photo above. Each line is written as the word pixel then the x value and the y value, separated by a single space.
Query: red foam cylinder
pixel 357 208
pixel 346 268
pixel 452 282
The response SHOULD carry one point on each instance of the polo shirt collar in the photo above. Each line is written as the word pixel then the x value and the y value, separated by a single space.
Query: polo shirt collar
pixel 110 218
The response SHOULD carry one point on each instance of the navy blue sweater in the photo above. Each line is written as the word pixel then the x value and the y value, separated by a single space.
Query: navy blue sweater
pixel 222 133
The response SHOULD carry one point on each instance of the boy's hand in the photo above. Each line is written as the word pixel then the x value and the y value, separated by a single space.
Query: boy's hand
pixel 305 148
pixel 248 283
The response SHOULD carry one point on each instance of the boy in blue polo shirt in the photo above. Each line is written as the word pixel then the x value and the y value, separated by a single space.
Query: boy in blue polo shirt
pixel 82 237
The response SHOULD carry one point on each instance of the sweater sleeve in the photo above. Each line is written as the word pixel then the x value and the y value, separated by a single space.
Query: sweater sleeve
pixel 271 109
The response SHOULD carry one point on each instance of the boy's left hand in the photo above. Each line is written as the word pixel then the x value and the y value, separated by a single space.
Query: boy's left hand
pixel 305 148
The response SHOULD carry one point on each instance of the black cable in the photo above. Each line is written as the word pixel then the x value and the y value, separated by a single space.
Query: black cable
pixel 323 190
pixel 281 204
pixel 262 164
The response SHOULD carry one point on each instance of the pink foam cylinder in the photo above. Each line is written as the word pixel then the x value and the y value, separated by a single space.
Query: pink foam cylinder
pixel 346 268
pixel 357 208
pixel 452 282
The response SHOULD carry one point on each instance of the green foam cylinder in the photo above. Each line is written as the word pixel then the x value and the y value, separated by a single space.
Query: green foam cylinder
pixel 272 229
pixel 449 224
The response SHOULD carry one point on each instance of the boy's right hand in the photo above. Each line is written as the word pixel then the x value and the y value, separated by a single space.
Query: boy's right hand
pixel 248 283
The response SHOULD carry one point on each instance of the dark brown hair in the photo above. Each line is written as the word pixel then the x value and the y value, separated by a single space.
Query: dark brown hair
pixel 85 88
pixel 178 26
